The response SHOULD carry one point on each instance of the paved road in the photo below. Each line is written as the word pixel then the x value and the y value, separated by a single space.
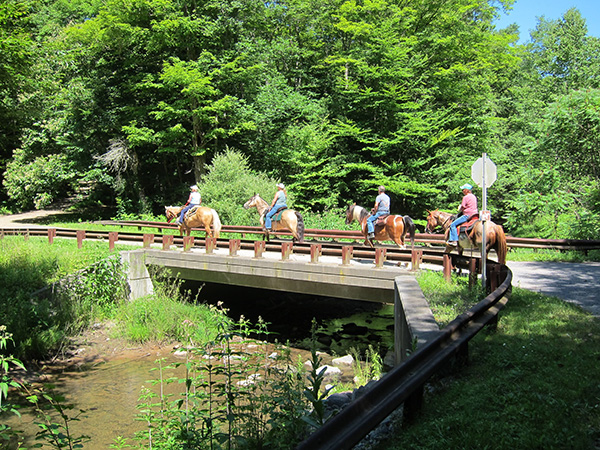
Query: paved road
pixel 577 283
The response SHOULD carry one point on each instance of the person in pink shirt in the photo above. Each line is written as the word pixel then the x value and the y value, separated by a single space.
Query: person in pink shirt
pixel 468 207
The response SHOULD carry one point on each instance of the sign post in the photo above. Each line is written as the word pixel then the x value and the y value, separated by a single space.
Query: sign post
pixel 483 172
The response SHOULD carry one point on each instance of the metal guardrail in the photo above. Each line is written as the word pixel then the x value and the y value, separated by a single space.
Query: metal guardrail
pixel 403 385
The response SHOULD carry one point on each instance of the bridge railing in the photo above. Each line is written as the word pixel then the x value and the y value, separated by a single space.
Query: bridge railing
pixel 426 238
pixel 404 384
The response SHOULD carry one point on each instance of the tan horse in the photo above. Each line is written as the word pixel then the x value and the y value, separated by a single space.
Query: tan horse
pixel 394 227
pixel 290 220
pixel 202 216
pixel 494 234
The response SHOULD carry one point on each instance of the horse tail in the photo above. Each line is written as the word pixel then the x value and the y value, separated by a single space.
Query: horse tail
pixel 410 228
pixel 216 224
pixel 501 247
pixel 300 227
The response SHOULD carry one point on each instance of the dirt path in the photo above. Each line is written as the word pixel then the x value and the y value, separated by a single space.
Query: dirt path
pixel 30 219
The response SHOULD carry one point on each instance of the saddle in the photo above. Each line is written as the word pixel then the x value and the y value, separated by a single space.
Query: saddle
pixel 380 222
pixel 465 228
pixel 277 216
pixel 190 212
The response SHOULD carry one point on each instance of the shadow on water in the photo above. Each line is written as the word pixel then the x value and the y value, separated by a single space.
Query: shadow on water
pixel 342 324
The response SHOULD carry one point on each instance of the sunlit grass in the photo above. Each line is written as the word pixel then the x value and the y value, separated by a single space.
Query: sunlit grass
pixel 530 383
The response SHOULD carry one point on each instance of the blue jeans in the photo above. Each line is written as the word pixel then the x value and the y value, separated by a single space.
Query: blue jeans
pixel 453 236
pixel 271 213
pixel 184 210
pixel 372 219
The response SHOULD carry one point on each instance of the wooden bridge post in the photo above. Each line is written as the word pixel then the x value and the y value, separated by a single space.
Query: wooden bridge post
pixel 188 243
pixel 473 272
pixel 211 244
pixel 167 241
pixel 380 255
pixel 234 246
pixel 148 239
pixel 113 237
pixel 315 252
pixel 80 238
pixel 286 250
pixel 347 253
pixel 259 248
pixel 416 257
pixel 447 264
pixel 51 235
pixel 26 236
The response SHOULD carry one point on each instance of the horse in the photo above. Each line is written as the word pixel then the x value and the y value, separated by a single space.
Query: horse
pixel 200 216
pixel 394 228
pixel 290 220
pixel 494 234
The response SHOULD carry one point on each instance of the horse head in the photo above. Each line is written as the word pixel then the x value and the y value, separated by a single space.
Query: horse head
pixel 350 213
pixel 171 212
pixel 432 221
pixel 252 202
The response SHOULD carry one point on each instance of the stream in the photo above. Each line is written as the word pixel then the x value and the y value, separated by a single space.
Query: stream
pixel 107 389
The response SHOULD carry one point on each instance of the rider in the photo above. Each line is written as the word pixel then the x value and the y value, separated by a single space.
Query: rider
pixel 279 201
pixel 382 207
pixel 193 200
pixel 468 208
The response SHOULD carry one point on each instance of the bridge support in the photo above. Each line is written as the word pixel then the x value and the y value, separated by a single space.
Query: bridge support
pixel 414 324
pixel 138 277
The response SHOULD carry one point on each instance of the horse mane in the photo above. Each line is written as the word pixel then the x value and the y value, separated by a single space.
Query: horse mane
pixel 362 214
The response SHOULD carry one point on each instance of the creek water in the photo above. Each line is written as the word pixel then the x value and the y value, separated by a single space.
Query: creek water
pixel 108 388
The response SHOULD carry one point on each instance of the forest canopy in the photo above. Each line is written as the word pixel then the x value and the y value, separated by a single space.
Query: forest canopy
pixel 132 101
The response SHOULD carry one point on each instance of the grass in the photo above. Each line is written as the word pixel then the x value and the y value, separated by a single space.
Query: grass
pixel 534 382
pixel 529 254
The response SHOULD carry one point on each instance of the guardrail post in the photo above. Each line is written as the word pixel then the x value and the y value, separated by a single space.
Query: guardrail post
pixel 113 237
pixel 493 276
pixel 473 272
pixel 412 406
pixel 167 241
pixel 380 255
pixel 211 244
pixel 416 258
pixel 188 243
pixel 347 251
pixel 26 236
pixel 148 239
pixel 286 250
pixel 259 248
pixel 80 238
pixel 315 252
pixel 447 264
pixel 234 246
pixel 51 235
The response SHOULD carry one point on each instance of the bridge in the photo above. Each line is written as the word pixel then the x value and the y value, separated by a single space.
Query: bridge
pixel 321 275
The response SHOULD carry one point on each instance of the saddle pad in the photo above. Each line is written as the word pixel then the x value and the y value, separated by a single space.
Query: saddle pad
pixel 278 214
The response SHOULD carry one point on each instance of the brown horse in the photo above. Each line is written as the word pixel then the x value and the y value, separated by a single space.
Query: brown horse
pixel 201 216
pixel 290 220
pixel 494 234
pixel 394 228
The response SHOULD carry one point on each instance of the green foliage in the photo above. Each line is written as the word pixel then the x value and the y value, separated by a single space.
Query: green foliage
pixel 238 392
pixel 40 324
pixel 7 363
pixel 39 182
pixel 167 316
pixel 229 183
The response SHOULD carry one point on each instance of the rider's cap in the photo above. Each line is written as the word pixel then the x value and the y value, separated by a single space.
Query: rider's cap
pixel 194 187
pixel 466 186
pixel 280 185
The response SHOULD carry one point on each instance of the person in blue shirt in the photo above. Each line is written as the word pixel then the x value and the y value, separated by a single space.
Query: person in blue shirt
pixel 193 200
pixel 279 201
pixel 382 207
